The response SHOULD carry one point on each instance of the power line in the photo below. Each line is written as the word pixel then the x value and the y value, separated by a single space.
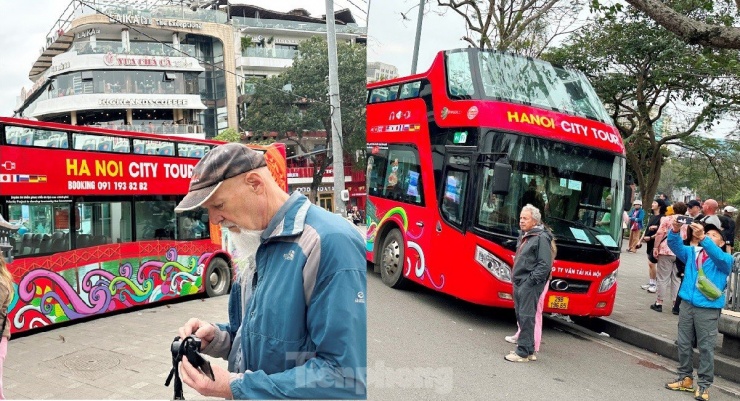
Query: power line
pixel 362 10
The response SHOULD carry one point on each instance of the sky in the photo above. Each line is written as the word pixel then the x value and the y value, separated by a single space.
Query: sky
pixel 25 24
pixel 391 37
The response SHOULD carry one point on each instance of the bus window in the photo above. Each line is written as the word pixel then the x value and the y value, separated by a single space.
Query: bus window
pixel 155 220
pixel 45 228
pixel 454 196
pixel 194 151
pixel 395 173
pixel 459 76
pixel 35 137
pixel 410 90
pixel 103 223
pixel 193 225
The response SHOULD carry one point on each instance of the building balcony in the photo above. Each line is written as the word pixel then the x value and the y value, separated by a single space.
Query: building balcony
pixel 136 49
pixel 265 24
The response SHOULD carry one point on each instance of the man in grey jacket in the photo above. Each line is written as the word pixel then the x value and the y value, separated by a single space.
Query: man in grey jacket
pixel 532 267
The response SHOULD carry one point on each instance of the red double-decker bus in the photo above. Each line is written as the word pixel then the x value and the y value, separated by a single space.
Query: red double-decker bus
pixel 456 152
pixel 97 232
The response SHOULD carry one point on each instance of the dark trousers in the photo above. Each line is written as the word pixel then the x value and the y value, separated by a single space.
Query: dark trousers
pixel 526 295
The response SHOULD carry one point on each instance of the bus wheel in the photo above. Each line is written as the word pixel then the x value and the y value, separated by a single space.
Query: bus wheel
pixel 218 278
pixel 391 260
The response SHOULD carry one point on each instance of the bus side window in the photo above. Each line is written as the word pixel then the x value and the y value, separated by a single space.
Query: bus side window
pixel 139 149
pixel 26 139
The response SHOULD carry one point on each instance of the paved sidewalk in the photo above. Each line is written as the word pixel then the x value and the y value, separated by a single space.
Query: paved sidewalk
pixel 633 322
pixel 125 356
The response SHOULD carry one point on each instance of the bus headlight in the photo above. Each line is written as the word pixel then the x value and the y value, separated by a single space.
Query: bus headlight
pixel 494 265
pixel 608 282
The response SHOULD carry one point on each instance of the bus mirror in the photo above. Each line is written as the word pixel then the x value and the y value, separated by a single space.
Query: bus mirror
pixel 501 177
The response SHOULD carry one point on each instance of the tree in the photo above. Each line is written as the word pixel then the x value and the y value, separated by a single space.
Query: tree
pixel 520 26
pixel 642 72
pixel 229 135
pixel 709 166
pixel 296 102
pixel 712 29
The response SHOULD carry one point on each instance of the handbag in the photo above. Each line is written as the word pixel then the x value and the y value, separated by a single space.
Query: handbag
pixel 705 285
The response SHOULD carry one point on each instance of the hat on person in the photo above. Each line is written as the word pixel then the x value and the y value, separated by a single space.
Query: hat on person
pixel 637 202
pixel 693 203
pixel 729 209
pixel 221 163
pixel 712 222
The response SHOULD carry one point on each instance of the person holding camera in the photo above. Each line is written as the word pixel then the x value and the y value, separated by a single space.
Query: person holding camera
pixel 298 325
pixel 702 292
pixel 667 274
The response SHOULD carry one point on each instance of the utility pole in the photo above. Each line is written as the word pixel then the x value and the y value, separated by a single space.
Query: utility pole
pixel 336 113
pixel 418 37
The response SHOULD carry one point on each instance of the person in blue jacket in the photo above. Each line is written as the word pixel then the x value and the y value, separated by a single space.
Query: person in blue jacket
pixel 698 315
pixel 298 323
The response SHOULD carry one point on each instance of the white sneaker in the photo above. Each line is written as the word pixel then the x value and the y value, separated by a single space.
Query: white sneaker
pixel 645 286
pixel 511 339
pixel 652 289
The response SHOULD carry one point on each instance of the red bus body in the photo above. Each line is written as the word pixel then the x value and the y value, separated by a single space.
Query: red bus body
pixel 91 279
pixel 440 255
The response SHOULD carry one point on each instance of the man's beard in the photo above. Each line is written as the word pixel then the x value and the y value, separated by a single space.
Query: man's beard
pixel 243 250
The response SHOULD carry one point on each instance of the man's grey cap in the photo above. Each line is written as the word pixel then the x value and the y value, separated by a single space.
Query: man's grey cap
pixel 221 163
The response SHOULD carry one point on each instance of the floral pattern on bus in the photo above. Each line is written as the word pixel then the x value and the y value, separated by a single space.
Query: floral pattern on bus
pixel 399 215
pixel 44 297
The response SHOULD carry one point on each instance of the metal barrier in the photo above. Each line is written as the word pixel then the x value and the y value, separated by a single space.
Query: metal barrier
pixel 732 294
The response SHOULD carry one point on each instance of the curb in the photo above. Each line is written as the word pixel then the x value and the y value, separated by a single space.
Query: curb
pixel 725 367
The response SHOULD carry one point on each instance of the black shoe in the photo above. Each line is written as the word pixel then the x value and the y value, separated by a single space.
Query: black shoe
pixel 656 307
pixel 674 311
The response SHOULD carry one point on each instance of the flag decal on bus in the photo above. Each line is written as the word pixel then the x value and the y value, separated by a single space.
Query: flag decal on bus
pixel 22 178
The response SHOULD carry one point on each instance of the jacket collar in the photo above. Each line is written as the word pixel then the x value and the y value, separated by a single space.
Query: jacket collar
pixel 289 219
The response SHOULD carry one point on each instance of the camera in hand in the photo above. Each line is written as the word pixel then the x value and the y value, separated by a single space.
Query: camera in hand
pixel 188 347
pixel 684 219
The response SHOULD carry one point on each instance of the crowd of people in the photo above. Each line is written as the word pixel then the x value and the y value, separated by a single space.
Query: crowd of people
pixel 689 257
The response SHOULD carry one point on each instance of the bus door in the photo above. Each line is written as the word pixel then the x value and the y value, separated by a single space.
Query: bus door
pixel 455 205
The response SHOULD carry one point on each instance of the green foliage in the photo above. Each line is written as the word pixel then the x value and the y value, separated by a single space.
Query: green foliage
pixel 297 100
pixel 641 72
pixel 229 135
pixel 708 166
pixel 246 42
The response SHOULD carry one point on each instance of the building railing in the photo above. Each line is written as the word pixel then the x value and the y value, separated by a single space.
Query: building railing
pixel 733 286
pixel 295 25
pixel 269 52
pixel 138 49
pixel 167 129
pixel 169 12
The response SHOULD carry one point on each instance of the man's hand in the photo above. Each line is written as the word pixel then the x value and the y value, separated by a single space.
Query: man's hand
pixel 203 384
pixel 203 330
pixel 698 231
pixel 676 224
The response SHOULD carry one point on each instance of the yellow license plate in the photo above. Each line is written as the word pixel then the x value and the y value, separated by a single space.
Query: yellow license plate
pixel 557 302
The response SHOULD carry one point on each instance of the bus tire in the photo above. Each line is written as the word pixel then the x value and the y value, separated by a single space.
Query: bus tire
pixel 391 260
pixel 218 278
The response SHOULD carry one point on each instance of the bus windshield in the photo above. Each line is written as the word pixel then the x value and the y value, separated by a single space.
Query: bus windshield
pixel 512 78
pixel 578 190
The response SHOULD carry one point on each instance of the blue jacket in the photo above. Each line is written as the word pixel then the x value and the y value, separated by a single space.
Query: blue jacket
pixel 304 329
pixel 639 219
pixel 717 267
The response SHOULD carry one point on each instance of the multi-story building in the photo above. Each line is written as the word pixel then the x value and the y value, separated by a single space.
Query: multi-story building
pixel 377 71
pixel 166 66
